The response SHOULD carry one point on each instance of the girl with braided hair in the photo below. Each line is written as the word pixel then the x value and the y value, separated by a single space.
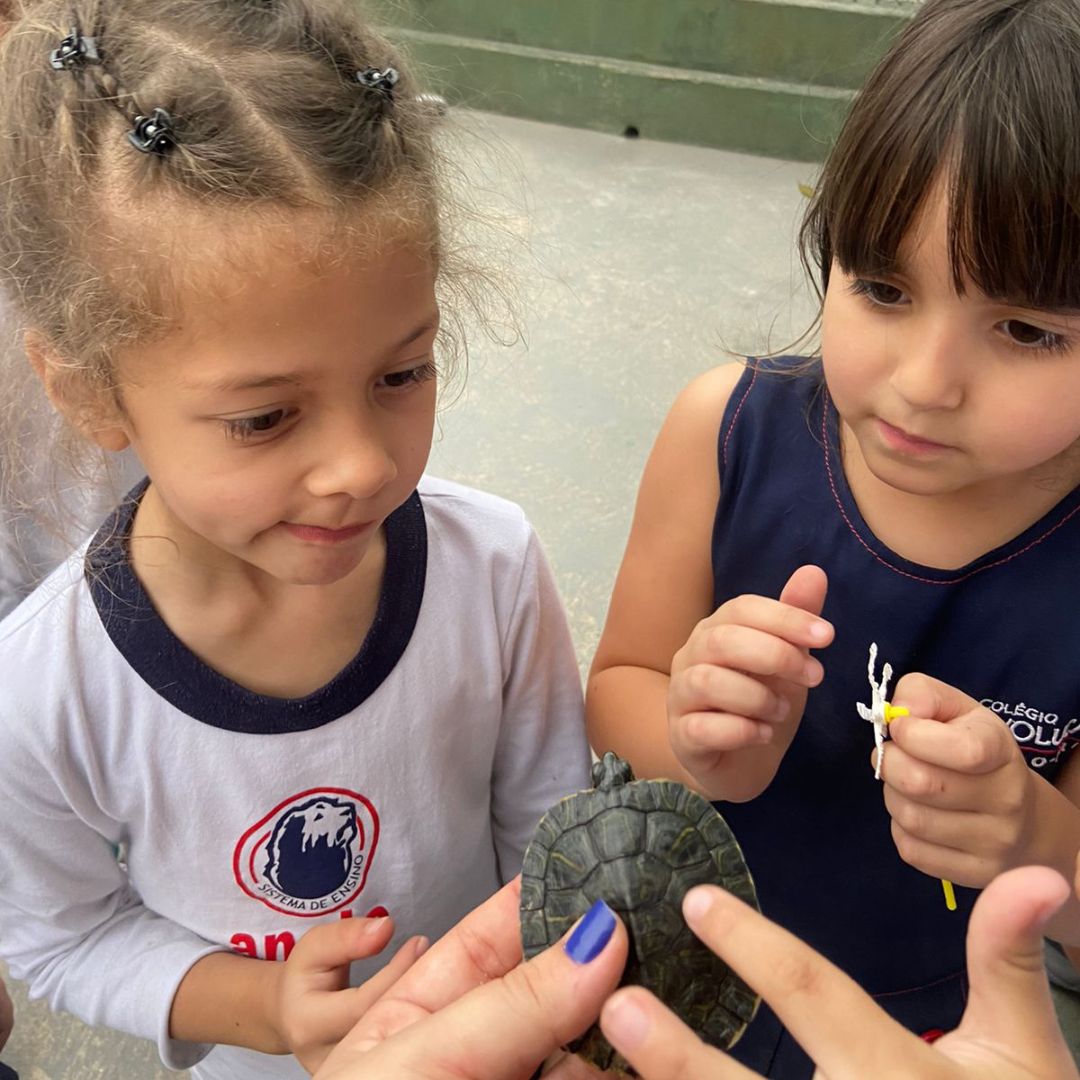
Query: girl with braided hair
pixel 316 699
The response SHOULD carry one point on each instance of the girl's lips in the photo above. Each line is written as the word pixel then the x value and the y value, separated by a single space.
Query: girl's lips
pixel 898 439
pixel 316 534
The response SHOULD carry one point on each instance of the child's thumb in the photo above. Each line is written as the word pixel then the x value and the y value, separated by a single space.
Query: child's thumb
pixel 931 698
pixel 1010 1004
pixel 332 945
pixel 806 589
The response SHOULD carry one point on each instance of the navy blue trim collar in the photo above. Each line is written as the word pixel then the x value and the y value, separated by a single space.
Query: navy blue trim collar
pixel 174 672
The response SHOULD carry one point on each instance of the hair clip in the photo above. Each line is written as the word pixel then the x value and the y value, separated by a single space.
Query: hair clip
pixel 74 49
pixel 153 134
pixel 383 80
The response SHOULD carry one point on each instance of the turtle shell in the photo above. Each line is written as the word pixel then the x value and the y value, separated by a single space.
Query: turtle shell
pixel 640 845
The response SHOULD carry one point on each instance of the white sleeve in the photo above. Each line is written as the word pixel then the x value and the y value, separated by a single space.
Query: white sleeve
pixel 542 752
pixel 70 923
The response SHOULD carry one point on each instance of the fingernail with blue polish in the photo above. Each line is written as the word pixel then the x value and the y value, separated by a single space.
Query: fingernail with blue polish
pixel 592 934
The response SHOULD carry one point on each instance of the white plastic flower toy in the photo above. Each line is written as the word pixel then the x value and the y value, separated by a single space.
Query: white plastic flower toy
pixel 879 712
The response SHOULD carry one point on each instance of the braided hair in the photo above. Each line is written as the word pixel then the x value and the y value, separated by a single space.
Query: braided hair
pixel 257 103
pixel 123 122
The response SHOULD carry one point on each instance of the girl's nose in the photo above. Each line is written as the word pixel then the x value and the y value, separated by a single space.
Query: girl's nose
pixel 352 461
pixel 929 369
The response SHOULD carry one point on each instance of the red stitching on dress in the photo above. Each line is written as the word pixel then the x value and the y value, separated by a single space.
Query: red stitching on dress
pixel 895 569
pixel 731 428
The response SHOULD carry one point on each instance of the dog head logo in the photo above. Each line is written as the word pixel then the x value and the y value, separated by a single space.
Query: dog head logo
pixel 311 854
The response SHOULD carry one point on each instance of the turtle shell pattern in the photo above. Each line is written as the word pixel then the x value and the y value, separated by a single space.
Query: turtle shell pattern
pixel 640 845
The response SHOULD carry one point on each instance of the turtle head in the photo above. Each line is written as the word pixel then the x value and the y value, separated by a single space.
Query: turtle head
pixel 611 771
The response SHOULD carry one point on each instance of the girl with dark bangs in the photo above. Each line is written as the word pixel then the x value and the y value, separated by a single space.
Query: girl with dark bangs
pixel 913 486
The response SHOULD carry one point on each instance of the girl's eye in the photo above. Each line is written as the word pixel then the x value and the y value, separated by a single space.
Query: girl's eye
pixel 877 292
pixel 247 427
pixel 1033 337
pixel 395 380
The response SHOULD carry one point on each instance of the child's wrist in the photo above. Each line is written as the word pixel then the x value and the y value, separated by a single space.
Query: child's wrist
pixel 225 998
pixel 270 1007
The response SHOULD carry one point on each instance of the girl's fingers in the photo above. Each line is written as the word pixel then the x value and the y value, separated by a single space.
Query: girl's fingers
pixel 756 651
pixel 931 786
pixel 751 634
pixel 964 830
pixel 339 1010
pixel 705 688
pixel 924 696
pixel 658 1044
pixel 816 1001
pixel 714 733
pixel 936 861
pixel 805 590
pixel 975 743
pixel 333 945
pixel 916 779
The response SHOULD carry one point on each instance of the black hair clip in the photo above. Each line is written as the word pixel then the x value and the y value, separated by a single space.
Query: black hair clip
pixel 153 134
pixel 74 49
pixel 383 80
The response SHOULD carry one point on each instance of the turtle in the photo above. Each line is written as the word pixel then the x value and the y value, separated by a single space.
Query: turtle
pixel 640 845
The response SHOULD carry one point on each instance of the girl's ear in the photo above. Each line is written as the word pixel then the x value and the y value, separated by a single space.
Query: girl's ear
pixel 94 415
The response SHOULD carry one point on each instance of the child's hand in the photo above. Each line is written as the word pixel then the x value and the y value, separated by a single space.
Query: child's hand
pixel 741 679
pixel 314 1006
pixel 956 785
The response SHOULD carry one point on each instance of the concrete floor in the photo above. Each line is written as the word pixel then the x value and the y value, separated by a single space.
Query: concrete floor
pixel 640 265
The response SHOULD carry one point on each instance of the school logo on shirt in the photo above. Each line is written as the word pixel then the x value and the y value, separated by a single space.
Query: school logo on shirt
pixel 1044 737
pixel 311 854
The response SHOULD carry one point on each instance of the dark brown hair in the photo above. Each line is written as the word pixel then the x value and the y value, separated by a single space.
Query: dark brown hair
pixel 985 96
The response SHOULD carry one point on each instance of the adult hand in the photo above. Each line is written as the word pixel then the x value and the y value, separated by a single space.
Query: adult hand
pixel 1009 1030
pixel 740 682
pixel 469 1010
pixel 961 797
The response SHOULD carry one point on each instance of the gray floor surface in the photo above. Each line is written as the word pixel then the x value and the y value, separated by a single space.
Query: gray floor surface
pixel 638 265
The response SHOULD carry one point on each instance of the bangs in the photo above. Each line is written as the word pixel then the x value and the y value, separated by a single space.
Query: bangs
pixel 984 97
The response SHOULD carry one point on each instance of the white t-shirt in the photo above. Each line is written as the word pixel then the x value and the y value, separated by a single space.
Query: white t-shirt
pixel 411 782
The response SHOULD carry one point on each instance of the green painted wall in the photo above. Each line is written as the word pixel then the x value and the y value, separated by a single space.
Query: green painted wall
pixel 765 76
pixel 830 45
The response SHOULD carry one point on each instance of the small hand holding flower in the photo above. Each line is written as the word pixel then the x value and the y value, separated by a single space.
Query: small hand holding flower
pixel 961 797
